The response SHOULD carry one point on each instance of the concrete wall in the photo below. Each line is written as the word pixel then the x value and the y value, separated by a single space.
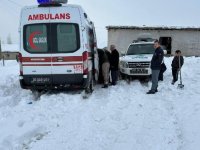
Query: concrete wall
pixel 187 41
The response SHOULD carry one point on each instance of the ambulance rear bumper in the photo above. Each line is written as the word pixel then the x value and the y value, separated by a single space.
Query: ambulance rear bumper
pixel 42 82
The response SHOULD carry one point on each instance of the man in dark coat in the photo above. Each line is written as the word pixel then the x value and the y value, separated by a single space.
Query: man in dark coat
pixel 114 64
pixel 156 62
pixel 177 63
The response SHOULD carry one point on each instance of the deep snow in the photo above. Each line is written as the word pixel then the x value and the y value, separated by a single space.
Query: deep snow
pixel 121 117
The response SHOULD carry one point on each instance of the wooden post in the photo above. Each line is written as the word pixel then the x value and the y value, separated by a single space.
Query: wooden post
pixel 0 50
pixel 3 61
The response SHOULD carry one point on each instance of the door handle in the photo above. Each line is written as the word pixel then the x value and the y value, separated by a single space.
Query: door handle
pixel 59 59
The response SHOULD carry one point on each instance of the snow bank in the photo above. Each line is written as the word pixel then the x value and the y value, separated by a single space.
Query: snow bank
pixel 120 117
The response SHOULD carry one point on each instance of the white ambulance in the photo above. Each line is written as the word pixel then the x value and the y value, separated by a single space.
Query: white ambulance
pixel 58 47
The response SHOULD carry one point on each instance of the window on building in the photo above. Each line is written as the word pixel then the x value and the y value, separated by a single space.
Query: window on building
pixel 166 42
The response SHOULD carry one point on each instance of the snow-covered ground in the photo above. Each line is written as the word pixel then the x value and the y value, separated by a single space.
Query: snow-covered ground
pixel 118 118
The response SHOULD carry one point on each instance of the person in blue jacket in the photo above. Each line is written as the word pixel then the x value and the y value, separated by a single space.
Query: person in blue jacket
pixel 156 62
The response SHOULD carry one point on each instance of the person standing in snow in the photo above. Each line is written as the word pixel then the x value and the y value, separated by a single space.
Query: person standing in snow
pixel 163 68
pixel 156 62
pixel 106 67
pixel 177 63
pixel 114 64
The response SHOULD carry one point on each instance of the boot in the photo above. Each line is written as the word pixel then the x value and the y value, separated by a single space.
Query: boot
pixel 105 86
pixel 151 92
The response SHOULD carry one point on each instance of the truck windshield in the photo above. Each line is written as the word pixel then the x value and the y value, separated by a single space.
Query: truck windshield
pixel 140 49
pixel 51 38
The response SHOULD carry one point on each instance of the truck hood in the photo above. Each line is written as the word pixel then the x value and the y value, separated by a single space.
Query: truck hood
pixel 137 58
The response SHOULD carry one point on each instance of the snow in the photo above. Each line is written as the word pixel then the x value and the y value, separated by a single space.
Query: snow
pixel 10 47
pixel 120 117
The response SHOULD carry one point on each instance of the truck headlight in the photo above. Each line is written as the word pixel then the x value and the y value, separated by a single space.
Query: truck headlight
pixel 123 64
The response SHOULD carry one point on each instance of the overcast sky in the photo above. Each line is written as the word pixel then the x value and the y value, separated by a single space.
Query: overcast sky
pixel 112 12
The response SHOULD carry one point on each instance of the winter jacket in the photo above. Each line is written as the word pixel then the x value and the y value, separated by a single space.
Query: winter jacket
pixel 114 60
pixel 106 56
pixel 157 59
pixel 175 62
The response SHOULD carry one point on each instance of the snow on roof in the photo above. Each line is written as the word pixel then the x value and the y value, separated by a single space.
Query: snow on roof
pixel 154 28
pixel 9 47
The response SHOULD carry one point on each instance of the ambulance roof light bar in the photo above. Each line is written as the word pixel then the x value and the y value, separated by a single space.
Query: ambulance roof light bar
pixel 51 2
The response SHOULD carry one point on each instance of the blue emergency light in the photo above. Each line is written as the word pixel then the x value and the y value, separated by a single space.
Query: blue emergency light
pixel 46 2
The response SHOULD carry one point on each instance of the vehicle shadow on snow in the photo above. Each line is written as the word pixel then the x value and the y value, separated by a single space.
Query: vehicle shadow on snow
pixel 38 94
pixel 143 82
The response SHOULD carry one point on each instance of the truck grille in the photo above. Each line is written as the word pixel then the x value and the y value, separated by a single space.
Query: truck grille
pixel 139 64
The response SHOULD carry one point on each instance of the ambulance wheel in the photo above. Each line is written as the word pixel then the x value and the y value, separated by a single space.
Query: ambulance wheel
pixel 36 91
pixel 22 84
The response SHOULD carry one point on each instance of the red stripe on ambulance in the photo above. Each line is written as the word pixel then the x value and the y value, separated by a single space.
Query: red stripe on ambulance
pixel 68 59
pixel 52 64
pixel 36 59
pixel 52 59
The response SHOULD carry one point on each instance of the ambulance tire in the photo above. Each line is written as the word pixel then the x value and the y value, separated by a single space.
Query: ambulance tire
pixel 22 84
pixel 36 91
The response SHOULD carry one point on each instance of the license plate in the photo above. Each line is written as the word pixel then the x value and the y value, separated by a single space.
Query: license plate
pixel 139 71
pixel 40 80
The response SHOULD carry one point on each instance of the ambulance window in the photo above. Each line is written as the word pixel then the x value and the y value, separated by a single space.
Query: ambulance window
pixel 67 37
pixel 36 38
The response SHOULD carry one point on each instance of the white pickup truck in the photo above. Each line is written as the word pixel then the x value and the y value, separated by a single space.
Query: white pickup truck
pixel 136 61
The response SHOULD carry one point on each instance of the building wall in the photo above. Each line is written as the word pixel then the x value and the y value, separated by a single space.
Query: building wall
pixel 187 41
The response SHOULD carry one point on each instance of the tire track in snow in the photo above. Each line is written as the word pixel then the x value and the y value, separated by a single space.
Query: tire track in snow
pixel 168 103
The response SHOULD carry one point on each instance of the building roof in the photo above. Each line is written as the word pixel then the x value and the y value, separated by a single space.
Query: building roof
pixel 154 28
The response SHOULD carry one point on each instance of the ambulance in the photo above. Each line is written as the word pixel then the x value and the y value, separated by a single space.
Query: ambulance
pixel 58 47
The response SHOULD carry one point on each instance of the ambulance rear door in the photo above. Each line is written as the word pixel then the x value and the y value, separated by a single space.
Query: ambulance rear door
pixel 36 52
pixel 67 64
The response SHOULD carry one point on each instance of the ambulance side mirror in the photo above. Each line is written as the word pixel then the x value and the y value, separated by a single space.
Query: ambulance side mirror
pixel 85 15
